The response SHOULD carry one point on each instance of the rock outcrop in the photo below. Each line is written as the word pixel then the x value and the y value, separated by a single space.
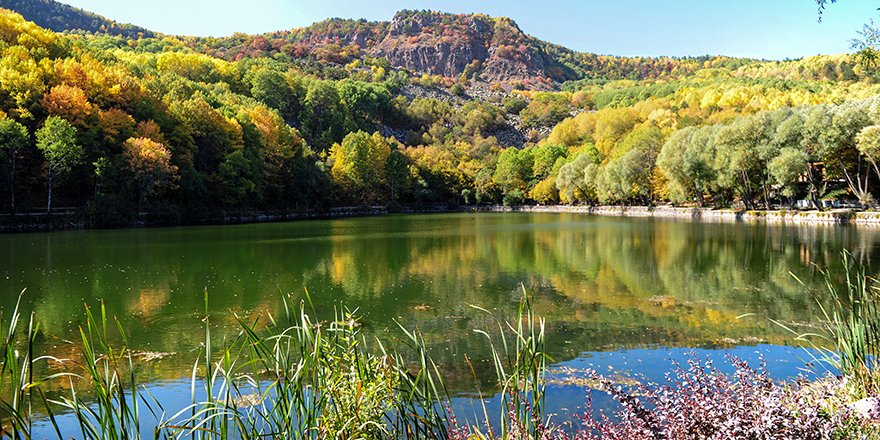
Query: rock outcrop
pixel 452 45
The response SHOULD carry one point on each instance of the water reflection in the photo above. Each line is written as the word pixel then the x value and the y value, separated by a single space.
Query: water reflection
pixel 603 283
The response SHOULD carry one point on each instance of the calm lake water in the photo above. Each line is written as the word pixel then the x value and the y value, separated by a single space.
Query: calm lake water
pixel 624 293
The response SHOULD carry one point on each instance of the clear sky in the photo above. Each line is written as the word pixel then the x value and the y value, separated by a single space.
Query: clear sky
pixel 773 29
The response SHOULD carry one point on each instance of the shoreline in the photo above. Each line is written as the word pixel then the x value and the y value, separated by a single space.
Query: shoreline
pixel 68 221
pixel 830 217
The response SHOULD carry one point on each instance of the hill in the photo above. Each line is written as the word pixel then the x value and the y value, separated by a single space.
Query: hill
pixel 425 109
pixel 60 17
pixel 462 46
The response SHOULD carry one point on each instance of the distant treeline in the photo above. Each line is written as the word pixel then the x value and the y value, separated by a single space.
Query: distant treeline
pixel 114 127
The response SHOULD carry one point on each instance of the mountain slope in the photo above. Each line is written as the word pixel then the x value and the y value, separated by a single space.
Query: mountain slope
pixel 468 46
pixel 59 17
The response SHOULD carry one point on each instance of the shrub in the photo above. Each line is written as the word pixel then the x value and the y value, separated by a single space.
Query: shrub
pixel 513 198
pixel 701 402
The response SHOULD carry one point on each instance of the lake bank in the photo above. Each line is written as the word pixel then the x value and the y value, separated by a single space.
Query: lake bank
pixel 73 221
pixel 838 216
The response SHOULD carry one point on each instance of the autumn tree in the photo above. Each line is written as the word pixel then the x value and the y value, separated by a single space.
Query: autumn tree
pixel 116 126
pixel 70 103
pixel 359 165
pixel 546 109
pixel 150 162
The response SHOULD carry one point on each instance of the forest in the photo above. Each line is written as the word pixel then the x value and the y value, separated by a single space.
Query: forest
pixel 175 130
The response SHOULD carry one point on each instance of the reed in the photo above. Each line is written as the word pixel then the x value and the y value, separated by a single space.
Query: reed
pixel 290 377
pixel 849 340
pixel 520 359
pixel 296 377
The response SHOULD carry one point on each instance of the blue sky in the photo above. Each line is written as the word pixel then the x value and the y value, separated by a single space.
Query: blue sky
pixel 773 29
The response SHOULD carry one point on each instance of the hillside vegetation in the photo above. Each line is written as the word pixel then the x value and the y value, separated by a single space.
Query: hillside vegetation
pixel 60 17
pixel 427 108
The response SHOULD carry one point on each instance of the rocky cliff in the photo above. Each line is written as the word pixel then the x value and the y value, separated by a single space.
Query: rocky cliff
pixel 454 45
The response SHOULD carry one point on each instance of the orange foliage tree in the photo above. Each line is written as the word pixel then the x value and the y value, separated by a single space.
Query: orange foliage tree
pixel 150 161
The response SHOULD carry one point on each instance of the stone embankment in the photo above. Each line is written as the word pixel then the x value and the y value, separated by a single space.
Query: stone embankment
pixel 837 216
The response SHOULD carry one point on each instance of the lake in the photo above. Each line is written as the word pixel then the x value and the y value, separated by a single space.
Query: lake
pixel 627 294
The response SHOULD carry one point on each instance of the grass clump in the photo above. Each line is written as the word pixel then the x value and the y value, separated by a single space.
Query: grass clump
pixel 849 340
pixel 295 377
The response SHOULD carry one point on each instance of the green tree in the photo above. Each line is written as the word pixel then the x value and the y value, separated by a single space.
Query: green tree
pixel 848 120
pixel 270 87
pixel 513 172
pixel 681 184
pixel 545 158
pixel 738 162
pixel 57 141
pixel 399 176
pixel 868 142
pixel 787 167
pixel 571 182
pixel 14 137
pixel 625 178
pixel 323 117
pixel 364 101
pixel 238 177
pixel 790 133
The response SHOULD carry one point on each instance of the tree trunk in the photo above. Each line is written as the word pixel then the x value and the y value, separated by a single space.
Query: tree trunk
pixel 766 197
pixel 747 192
pixel 12 186
pixel 49 200
pixel 855 185
pixel 814 189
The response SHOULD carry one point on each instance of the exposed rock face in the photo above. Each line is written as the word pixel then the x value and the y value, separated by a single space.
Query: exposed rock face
pixel 422 42
pixel 447 59
pixel 523 65
pixel 447 44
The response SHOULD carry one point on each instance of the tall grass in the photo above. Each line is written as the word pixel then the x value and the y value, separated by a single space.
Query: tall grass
pixel 850 336
pixel 296 377
pixel 520 362
pixel 285 377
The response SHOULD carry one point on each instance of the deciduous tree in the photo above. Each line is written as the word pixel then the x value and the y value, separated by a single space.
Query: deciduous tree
pixel 57 141
pixel 13 138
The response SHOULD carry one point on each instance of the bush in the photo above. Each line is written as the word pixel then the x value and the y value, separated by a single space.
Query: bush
pixel 514 104
pixel 457 89
pixel 513 198
pixel 394 207
pixel 701 402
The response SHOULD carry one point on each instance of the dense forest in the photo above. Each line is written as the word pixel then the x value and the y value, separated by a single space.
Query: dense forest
pixel 60 17
pixel 181 129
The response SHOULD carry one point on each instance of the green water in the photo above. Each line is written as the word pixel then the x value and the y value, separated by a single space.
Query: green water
pixel 602 283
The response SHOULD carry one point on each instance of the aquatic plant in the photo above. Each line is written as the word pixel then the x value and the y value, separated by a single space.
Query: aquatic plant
pixel 849 340
pixel 295 377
